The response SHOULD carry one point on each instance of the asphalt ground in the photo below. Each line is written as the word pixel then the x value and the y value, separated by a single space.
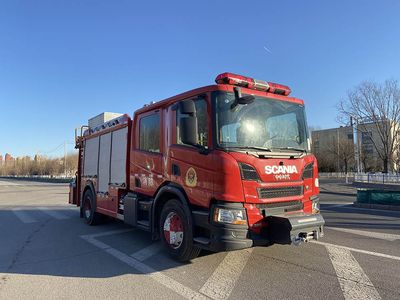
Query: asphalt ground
pixel 47 252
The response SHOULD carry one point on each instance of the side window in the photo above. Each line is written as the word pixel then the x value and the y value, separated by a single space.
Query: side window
pixel 149 133
pixel 202 122
pixel 366 137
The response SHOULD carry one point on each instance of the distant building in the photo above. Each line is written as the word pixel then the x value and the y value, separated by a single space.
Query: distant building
pixel 8 157
pixel 323 142
pixel 1 160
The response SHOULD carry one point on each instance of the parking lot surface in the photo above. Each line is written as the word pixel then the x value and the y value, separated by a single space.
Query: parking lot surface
pixel 46 251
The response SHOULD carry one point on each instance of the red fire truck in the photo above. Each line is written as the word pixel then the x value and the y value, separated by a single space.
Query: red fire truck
pixel 222 167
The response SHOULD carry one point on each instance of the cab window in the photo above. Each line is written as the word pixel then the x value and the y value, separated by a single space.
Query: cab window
pixel 149 133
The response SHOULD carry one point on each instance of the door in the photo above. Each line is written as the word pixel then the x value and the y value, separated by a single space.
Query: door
pixel 148 153
pixel 191 166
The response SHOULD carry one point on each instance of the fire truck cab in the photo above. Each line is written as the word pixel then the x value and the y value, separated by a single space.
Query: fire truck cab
pixel 222 167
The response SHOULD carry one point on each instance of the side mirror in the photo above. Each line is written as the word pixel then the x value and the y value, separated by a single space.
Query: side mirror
pixel 188 130
pixel 187 107
pixel 246 99
pixel 242 100
pixel 188 123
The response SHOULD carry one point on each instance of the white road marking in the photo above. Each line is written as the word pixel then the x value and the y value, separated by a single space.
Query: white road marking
pixel 8 183
pixel 168 282
pixel 23 216
pixel 147 252
pixel 376 235
pixel 111 232
pixel 358 250
pixel 350 206
pixel 53 213
pixel 223 280
pixel 327 206
pixel 354 283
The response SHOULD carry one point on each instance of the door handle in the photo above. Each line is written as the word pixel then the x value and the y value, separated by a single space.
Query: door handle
pixel 176 170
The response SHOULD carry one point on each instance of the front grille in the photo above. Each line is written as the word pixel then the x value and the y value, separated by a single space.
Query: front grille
pixel 280 204
pixel 277 208
pixel 279 192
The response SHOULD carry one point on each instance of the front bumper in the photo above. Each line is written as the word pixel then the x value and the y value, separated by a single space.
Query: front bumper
pixel 283 229
pixel 294 229
pixel 219 237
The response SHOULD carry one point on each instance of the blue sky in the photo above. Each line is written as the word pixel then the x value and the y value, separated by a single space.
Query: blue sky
pixel 62 62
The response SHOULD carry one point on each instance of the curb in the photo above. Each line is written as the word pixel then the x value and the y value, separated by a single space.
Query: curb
pixel 39 179
pixel 377 206
pixel 370 185
pixel 338 193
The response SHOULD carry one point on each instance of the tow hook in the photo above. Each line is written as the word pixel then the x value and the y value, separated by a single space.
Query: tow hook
pixel 301 238
pixel 304 237
pixel 298 240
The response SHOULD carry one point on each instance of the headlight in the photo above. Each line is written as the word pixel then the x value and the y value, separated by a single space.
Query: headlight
pixel 315 204
pixel 316 182
pixel 230 216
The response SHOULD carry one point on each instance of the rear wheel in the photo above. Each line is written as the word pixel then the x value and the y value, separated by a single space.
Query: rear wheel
pixel 89 209
pixel 176 231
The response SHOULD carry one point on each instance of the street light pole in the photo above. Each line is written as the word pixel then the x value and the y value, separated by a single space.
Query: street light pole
pixel 338 161
pixel 355 140
pixel 65 159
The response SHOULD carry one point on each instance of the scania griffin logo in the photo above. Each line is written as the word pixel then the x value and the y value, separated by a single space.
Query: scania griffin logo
pixel 280 169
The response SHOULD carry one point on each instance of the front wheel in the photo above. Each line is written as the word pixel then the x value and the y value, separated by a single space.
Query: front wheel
pixel 176 231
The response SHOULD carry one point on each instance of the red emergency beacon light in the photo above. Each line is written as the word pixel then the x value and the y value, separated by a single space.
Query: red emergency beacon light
pixel 251 83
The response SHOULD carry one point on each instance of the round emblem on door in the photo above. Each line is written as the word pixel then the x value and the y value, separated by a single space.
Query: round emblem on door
pixel 191 177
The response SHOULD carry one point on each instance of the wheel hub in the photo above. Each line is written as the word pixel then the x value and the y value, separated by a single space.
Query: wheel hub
pixel 87 209
pixel 173 230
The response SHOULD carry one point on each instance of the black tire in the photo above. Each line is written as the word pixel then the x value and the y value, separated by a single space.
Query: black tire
pixel 89 209
pixel 183 250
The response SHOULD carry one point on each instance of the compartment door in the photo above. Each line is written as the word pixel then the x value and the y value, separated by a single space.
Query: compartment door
pixel 104 163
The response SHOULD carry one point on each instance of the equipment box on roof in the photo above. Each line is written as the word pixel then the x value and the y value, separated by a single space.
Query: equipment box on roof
pixel 102 118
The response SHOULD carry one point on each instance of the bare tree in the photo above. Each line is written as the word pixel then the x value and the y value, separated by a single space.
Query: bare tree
pixel 343 152
pixel 40 165
pixel 326 162
pixel 72 163
pixel 377 105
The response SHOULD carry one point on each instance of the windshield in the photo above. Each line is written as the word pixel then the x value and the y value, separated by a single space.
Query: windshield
pixel 266 123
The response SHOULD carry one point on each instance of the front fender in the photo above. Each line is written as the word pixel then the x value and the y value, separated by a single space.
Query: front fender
pixel 165 193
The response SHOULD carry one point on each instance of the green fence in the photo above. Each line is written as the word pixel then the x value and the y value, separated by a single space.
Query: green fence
pixel 384 197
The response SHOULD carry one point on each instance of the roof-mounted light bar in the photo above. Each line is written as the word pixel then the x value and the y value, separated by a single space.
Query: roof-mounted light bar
pixel 255 84
pixel 279 89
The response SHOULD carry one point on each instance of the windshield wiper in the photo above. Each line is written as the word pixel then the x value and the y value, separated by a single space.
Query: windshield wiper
pixel 291 148
pixel 249 147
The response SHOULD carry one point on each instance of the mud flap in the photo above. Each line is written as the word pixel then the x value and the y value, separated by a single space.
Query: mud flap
pixel 294 229
pixel 72 199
